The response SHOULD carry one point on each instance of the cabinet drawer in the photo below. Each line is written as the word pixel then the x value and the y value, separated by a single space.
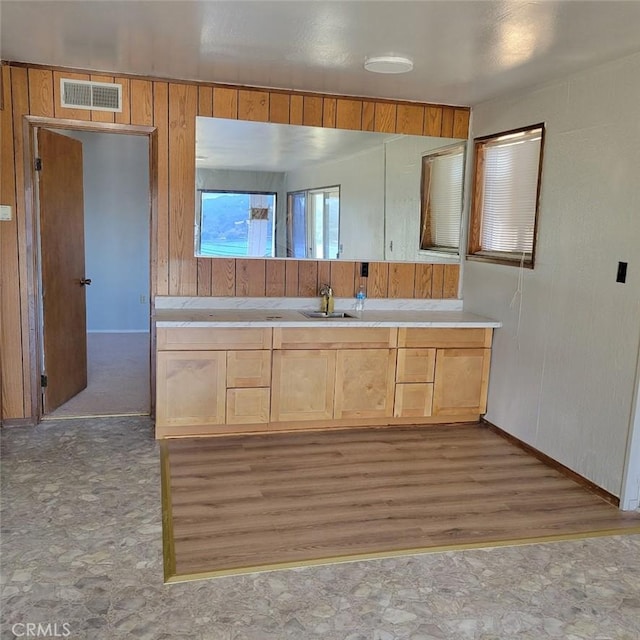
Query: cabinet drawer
pixel 247 406
pixel 212 338
pixel 443 338
pixel 248 369
pixel 416 365
pixel 334 338
pixel 413 400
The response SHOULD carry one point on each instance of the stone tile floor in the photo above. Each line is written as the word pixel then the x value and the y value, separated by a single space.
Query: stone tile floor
pixel 82 553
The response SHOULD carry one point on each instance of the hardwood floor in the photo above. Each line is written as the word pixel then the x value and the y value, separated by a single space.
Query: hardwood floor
pixel 243 503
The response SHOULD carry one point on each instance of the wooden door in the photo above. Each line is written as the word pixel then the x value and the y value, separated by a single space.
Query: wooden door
pixel 461 381
pixel 60 193
pixel 190 388
pixel 302 385
pixel 365 382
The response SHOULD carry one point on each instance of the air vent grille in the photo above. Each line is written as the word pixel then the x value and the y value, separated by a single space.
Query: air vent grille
pixel 96 96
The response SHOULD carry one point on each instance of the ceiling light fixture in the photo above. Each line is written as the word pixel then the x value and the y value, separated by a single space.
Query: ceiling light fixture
pixel 388 64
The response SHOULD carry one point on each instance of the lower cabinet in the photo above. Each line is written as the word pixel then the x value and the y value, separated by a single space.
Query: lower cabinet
pixel 208 384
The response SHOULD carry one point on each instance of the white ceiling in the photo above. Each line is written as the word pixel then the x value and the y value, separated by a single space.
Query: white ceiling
pixel 464 52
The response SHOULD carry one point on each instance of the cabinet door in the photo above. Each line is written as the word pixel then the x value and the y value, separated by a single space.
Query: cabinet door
pixel 365 380
pixel 461 381
pixel 413 400
pixel 190 388
pixel 248 369
pixel 302 385
pixel 247 406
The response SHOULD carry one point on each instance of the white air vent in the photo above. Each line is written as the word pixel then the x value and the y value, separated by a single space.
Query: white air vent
pixel 96 96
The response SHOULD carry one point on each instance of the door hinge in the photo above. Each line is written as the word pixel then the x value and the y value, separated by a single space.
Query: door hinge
pixel 43 380
pixel 38 164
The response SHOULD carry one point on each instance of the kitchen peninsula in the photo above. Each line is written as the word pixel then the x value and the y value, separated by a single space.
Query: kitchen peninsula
pixel 247 365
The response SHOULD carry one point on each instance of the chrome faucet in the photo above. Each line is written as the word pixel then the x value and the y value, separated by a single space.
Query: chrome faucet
pixel 326 304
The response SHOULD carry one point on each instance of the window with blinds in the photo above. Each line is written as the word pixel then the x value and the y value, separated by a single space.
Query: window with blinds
pixel 506 190
pixel 441 199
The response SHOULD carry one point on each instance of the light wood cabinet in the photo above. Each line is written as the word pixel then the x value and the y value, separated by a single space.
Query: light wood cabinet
pixel 461 382
pixel 364 383
pixel 303 382
pixel 191 388
pixel 252 380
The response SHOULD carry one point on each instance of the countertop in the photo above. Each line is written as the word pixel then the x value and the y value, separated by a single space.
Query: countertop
pixel 247 317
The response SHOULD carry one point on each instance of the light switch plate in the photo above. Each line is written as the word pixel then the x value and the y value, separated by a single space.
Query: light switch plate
pixel 5 212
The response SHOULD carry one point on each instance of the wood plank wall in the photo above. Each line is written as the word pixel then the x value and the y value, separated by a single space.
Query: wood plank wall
pixel 171 107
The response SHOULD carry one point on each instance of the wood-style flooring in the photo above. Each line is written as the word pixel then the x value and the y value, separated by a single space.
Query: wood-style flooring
pixel 244 503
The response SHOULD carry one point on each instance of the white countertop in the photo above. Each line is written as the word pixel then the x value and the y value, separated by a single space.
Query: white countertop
pixel 246 317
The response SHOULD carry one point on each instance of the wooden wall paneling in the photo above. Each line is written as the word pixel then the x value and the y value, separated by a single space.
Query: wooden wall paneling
pixel 424 275
pixel 12 387
pixel 225 103
pixel 432 121
pixel 324 274
pixel 312 111
pixel 205 108
pixel 437 281
pixel 368 116
pixel 275 278
pixel 329 113
pixel 223 277
pixel 250 277
pixel 58 110
pixel 349 114
pixel 307 278
pixel 410 119
pixel 461 123
pixel 446 131
pixel 253 105
pixel 183 272
pixel 41 93
pixel 141 102
pixel 385 117
pixel 450 281
pixel 342 278
pixel 161 122
pixel 205 101
pixel 102 116
pixel 20 108
pixel 291 278
pixel 279 108
pixel 204 276
pixel 124 116
pixel 296 109
pixel 401 279
pixel 378 284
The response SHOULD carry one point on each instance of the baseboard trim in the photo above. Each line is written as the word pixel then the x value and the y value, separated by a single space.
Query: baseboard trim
pixel 558 466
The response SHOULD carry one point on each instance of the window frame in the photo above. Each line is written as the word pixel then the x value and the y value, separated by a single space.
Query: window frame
pixel 426 216
pixel 474 246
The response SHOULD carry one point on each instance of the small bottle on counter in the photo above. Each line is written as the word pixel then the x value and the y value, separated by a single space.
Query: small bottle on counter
pixel 361 296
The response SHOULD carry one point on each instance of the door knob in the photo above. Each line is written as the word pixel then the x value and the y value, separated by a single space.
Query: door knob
pixel 85 281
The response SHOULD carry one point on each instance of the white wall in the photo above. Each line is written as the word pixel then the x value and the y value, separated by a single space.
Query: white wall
pixel 564 363
pixel 361 180
pixel 116 227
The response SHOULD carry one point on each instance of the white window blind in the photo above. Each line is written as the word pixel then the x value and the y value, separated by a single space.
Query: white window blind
pixel 446 173
pixel 509 193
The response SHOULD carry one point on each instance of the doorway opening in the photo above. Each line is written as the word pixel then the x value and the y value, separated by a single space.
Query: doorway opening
pixel 113 281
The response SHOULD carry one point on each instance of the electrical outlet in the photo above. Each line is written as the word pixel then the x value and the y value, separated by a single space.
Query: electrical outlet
pixel 6 213
pixel 143 299
pixel 364 270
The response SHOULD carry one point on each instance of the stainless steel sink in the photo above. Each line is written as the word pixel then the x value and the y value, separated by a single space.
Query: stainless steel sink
pixel 327 316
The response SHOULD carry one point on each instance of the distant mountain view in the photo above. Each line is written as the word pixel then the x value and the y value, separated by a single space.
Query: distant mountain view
pixel 225 225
